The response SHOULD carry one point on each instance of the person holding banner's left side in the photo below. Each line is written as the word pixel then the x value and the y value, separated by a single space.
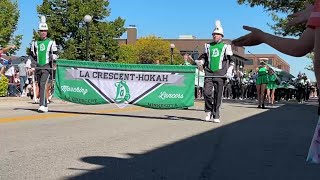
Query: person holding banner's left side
pixel 44 51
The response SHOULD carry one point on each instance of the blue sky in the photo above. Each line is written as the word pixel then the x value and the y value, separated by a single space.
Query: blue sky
pixel 169 19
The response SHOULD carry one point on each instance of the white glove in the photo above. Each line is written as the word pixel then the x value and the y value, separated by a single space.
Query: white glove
pixel 229 72
pixel 199 62
pixel 54 57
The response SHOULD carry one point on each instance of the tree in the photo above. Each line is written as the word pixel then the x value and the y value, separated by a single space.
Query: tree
pixel 67 28
pixel 9 15
pixel 282 6
pixel 147 50
pixel 151 48
pixel 128 54
pixel 310 67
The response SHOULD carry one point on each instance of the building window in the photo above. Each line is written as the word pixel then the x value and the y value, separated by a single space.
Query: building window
pixel 279 66
pixel 248 62
pixel 270 62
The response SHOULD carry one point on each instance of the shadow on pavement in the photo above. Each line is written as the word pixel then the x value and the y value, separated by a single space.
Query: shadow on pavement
pixel 166 117
pixel 272 145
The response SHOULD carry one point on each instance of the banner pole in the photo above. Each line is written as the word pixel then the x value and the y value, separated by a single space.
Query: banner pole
pixel 198 86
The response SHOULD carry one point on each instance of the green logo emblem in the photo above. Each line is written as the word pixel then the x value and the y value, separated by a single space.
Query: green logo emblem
pixel 123 92
pixel 215 52
pixel 42 47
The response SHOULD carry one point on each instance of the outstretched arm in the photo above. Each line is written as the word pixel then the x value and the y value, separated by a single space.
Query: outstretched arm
pixel 294 47
pixel 4 50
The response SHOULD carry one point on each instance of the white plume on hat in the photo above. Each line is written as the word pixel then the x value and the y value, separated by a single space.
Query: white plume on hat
pixel 43 24
pixel 218 29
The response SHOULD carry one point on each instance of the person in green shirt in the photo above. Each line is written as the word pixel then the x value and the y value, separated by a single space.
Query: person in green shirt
pixel 261 84
pixel 272 86
pixel 44 51
pixel 188 60
pixel 216 62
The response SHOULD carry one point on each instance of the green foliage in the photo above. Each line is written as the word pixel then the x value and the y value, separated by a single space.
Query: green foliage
pixel 9 15
pixel 311 57
pixel 68 29
pixel 148 50
pixel 274 7
pixel 151 48
pixel 3 85
pixel 128 54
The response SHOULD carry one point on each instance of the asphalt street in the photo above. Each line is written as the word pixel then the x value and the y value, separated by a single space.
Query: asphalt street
pixel 134 143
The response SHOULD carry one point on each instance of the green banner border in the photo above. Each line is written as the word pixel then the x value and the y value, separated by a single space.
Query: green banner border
pixel 129 67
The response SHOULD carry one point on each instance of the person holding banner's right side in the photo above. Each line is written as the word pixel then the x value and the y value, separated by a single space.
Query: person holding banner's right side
pixel 216 61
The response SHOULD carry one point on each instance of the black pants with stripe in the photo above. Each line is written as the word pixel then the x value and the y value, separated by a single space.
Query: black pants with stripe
pixel 43 76
pixel 213 104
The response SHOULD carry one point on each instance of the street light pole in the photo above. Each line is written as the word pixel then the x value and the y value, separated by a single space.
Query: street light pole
pixel 172 46
pixel 87 19
pixel 87 41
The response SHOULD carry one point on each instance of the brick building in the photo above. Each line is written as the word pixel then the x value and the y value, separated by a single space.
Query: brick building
pixel 273 59
pixel 189 44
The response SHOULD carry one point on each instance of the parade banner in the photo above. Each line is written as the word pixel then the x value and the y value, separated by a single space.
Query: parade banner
pixel 146 85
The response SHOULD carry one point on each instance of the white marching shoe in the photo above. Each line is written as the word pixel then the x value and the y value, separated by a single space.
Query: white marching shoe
pixel 216 120
pixel 43 109
pixel 36 101
pixel 208 117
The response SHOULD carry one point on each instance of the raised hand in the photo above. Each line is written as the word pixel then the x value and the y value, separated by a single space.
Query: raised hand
pixel 255 37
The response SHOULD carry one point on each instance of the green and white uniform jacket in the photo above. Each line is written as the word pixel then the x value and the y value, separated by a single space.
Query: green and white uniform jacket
pixel 44 51
pixel 219 59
